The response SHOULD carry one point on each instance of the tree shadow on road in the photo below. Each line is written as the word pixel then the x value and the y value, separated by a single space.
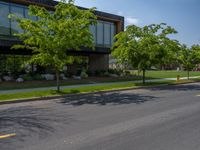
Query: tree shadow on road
pixel 27 122
pixel 102 99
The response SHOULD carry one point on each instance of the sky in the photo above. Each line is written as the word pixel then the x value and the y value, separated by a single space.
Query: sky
pixel 183 15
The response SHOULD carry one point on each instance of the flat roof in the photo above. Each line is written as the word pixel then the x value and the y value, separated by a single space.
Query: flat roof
pixel 51 3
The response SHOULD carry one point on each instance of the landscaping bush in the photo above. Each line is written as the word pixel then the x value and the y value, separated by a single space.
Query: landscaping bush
pixel 38 77
pixel 90 73
pixel 106 74
pixel 115 71
pixel 27 77
pixel 98 73
pixel 127 73
pixel 78 72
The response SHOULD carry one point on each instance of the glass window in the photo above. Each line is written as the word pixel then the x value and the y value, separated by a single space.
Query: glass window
pixel 4 21
pixel 93 31
pixel 99 33
pixel 113 32
pixel 28 16
pixel 107 36
pixel 19 12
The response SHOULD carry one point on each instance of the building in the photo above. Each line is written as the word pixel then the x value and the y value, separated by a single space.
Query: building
pixel 108 25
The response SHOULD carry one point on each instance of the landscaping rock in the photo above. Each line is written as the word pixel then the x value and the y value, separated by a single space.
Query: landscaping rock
pixel 28 68
pixel 20 80
pixel 48 77
pixel 7 78
pixel 65 68
pixel 76 77
pixel 122 75
pixel 84 74
pixel 114 75
pixel 62 75
pixel 65 78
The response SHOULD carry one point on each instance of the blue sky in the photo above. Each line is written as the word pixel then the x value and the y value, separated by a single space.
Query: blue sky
pixel 183 15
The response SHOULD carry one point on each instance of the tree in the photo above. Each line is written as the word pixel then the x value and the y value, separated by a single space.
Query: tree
pixel 196 49
pixel 144 47
pixel 54 34
pixel 189 57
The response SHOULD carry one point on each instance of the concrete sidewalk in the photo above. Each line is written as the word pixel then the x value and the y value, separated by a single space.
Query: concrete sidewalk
pixel 86 85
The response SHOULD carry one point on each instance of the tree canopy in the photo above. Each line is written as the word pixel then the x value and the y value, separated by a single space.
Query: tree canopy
pixel 144 47
pixel 55 33
pixel 189 57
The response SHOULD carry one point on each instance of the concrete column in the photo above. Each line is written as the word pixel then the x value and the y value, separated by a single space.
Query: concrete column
pixel 98 62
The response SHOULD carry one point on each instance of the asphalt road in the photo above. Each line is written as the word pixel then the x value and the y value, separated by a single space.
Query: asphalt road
pixel 161 118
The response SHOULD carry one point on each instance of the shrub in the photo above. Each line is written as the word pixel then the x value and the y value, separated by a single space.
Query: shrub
pixel 106 74
pixel 90 73
pixel 127 73
pixel 27 77
pixel 79 71
pixel 97 73
pixel 115 71
pixel 38 77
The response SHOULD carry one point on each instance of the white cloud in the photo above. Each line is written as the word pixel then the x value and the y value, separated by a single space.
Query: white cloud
pixel 120 13
pixel 131 20
pixel 128 19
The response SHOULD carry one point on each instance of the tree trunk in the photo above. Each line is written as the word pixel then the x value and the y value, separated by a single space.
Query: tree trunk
pixel 138 72
pixel 188 73
pixel 143 77
pixel 58 80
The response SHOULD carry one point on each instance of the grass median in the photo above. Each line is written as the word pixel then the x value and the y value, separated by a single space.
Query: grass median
pixel 86 89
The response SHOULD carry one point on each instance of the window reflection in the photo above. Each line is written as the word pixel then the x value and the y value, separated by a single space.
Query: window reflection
pixel 100 33
pixel 4 21
pixel 19 12
pixel 93 31
pixel 107 34
pixel 103 32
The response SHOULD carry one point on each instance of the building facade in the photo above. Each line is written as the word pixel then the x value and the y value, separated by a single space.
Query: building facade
pixel 108 25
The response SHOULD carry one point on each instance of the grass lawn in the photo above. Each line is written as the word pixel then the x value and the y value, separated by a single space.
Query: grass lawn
pixel 168 74
pixel 38 94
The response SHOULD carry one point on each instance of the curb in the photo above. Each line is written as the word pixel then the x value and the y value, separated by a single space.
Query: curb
pixel 87 93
